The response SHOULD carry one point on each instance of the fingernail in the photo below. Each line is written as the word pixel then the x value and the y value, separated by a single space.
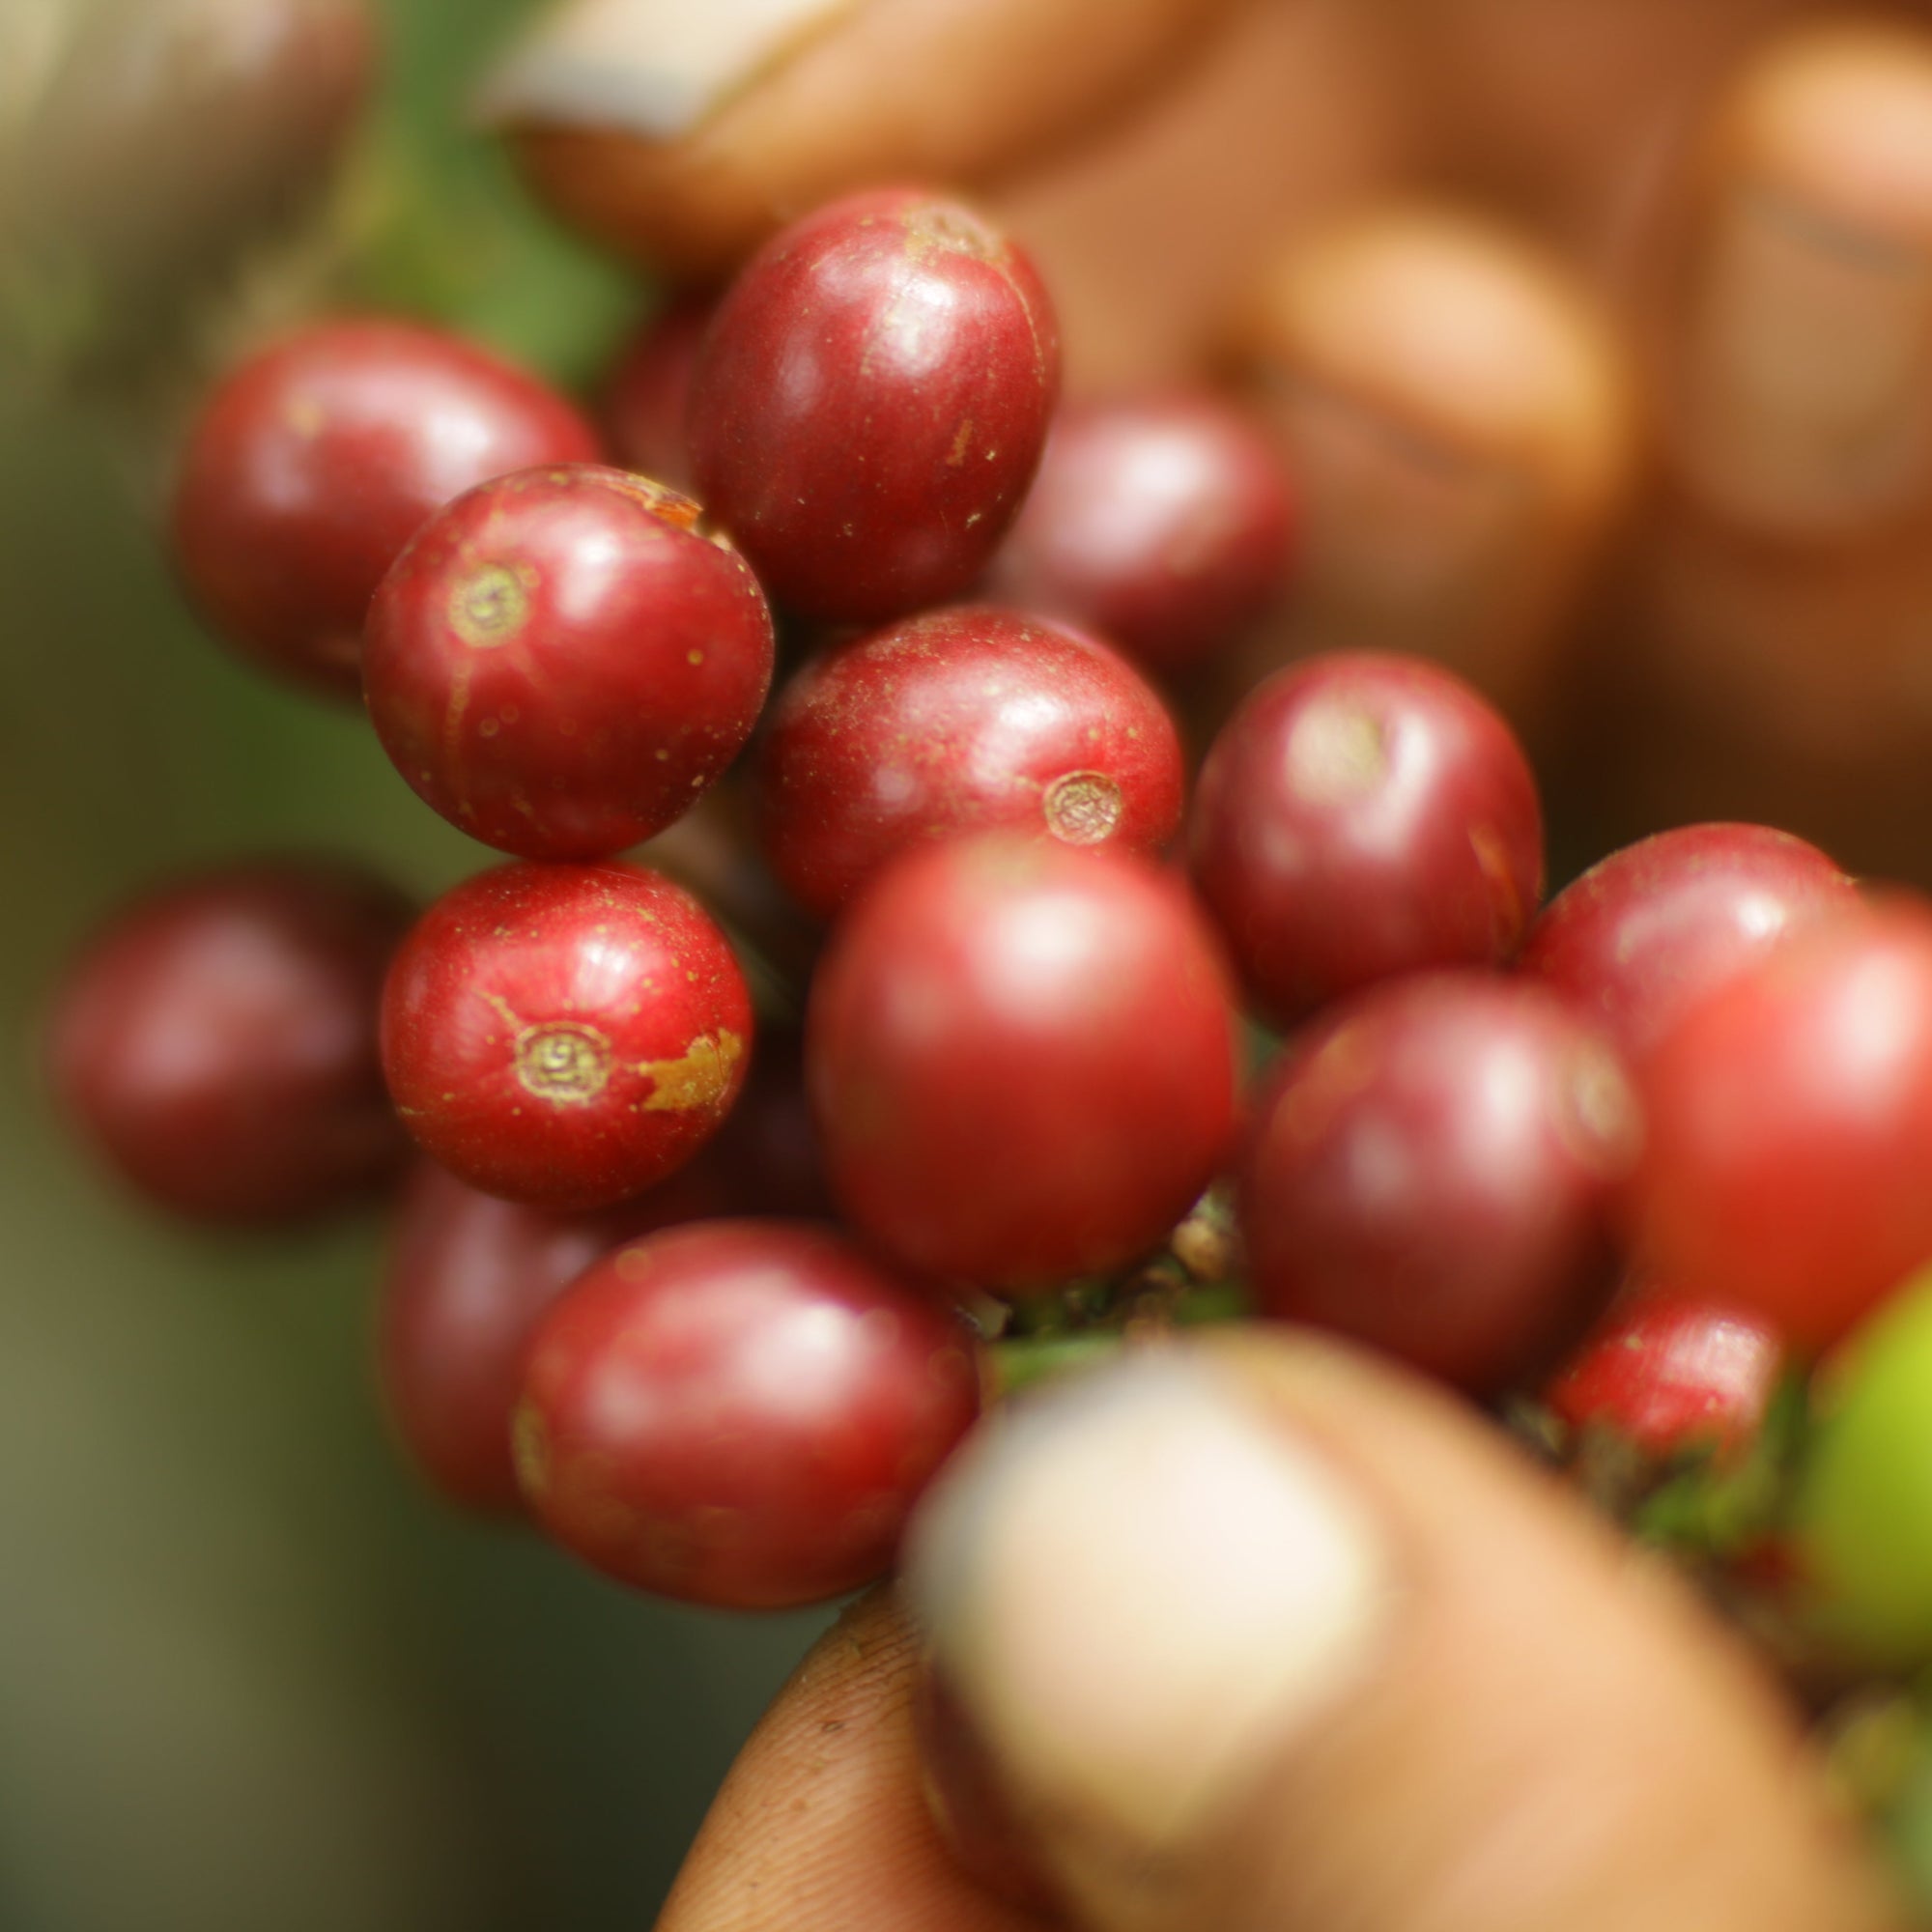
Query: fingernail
pixel 655 69
pixel 1805 394
pixel 1143 1590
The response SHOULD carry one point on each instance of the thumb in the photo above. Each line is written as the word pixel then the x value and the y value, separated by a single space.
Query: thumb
pixel 1255 1634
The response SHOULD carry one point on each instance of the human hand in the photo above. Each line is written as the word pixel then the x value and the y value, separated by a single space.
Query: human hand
pixel 1597 332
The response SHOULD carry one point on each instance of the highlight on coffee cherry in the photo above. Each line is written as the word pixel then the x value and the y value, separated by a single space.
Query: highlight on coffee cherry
pixel 973 718
pixel 468 1277
pixel 870 403
pixel 1672 1374
pixel 216 1043
pixel 565 1035
pixel 1433 1168
pixel 1790 1126
pixel 1646 932
pixel 1363 815
pixel 1022 1057
pixel 740 1413
pixel 560 664
pixel 315 461
pixel 647 400
pixel 1165 521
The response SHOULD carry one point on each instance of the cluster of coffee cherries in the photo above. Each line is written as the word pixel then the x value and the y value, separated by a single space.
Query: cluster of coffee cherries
pixel 998 1041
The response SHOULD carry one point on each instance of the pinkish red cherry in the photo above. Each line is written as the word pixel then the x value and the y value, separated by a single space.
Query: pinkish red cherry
pixel 315 461
pixel 871 402
pixel 560 665
pixel 973 718
pixel 217 1042
pixel 740 1413
pixel 565 1035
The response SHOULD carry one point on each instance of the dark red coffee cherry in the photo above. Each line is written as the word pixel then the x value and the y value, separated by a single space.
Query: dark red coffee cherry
pixel 217 1042
pixel 870 403
pixel 1672 1373
pixel 1652 928
pixel 1432 1170
pixel 1022 1058
pixel 740 1413
pixel 648 404
pixel 1363 815
pixel 967 719
pixel 560 665
pixel 1163 522
pixel 468 1277
pixel 565 1035
pixel 314 463
pixel 1788 1166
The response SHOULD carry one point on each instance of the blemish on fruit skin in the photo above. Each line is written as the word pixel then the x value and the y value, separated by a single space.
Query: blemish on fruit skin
pixel 490 606
pixel 697 1080
pixel 563 1061
pixel 1083 807
pixel 530 1449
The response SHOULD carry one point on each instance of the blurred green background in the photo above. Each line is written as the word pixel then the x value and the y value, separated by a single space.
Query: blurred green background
pixel 251 1675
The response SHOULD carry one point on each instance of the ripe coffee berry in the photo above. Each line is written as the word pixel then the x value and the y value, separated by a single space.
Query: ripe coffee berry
pixel 1163 522
pixel 966 719
pixel 1644 934
pixel 1022 1058
pixel 1363 815
pixel 560 665
pixel 217 1042
pixel 740 1413
pixel 314 464
pixel 1432 1170
pixel 468 1277
pixel 871 402
pixel 1671 1373
pixel 565 1035
pixel 648 404
pixel 1790 1119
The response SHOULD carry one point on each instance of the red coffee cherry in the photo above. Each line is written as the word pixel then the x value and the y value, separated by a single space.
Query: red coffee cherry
pixel 1433 1169
pixel 1163 522
pixel 647 402
pixel 1673 1373
pixel 1790 1116
pixel 1645 933
pixel 870 403
pixel 217 1042
pixel 740 1413
pixel 967 719
pixel 1022 1057
pixel 565 1035
pixel 1363 815
pixel 561 666
pixel 316 461
pixel 468 1277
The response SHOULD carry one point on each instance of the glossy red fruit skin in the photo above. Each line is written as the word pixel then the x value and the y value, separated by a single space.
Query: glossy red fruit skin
pixel 1790 1117
pixel 1363 815
pixel 561 666
pixel 468 1277
pixel 1433 1168
pixel 565 1035
pixel 740 1413
pixel 870 403
pixel 1672 1373
pixel 1164 521
pixel 1022 1060
pixel 217 1042
pixel 647 401
pixel 969 720
pixel 314 464
pixel 1652 928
